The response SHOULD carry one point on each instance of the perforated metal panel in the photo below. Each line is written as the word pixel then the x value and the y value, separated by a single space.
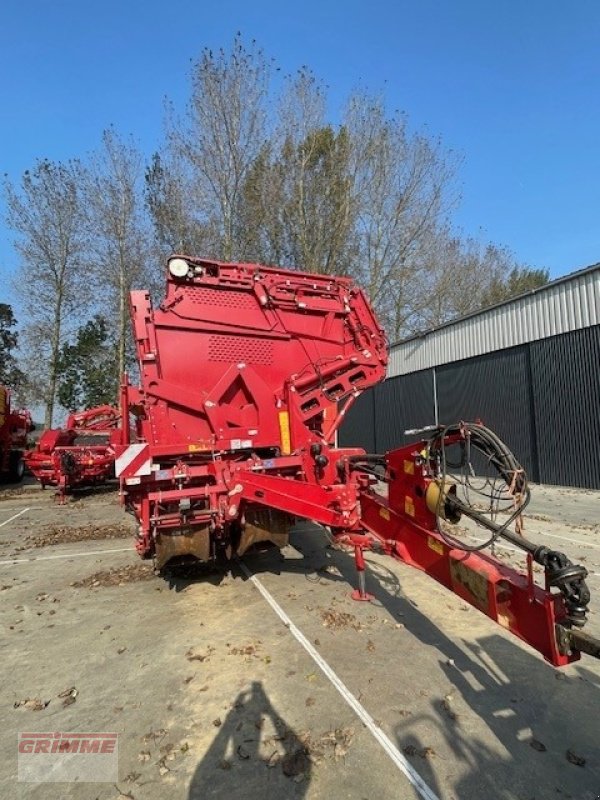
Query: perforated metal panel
pixel 213 297
pixel 237 348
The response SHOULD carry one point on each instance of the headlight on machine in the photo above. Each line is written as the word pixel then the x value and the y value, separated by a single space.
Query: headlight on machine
pixel 178 267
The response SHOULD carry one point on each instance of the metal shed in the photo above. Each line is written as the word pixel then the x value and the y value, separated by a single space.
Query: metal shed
pixel 528 367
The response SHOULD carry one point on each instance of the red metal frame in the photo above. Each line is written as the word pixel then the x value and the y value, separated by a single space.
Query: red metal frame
pixel 406 529
pixel 242 369
pixel 63 460
pixel 15 425
pixel 100 418
pixel 246 373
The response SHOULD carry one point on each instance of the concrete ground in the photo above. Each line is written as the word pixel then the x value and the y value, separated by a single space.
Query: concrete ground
pixel 214 697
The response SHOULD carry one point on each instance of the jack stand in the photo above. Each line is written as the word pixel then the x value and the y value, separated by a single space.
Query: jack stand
pixel 360 593
pixel 60 495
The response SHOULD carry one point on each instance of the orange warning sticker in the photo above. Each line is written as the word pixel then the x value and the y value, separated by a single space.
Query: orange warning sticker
pixel 199 447
pixel 284 431
pixel 435 545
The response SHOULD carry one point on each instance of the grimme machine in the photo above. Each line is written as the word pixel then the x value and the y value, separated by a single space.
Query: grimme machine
pixel 245 375
pixel 78 455
pixel 15 425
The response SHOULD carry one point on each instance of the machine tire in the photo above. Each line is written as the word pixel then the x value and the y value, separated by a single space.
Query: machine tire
pixel 17 468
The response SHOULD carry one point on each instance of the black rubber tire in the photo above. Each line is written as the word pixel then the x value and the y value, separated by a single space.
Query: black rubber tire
pixel 17 468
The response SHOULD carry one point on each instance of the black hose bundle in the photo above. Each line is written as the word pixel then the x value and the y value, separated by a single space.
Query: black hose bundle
pixel 372 463
pixel 505 490
pixel 485 496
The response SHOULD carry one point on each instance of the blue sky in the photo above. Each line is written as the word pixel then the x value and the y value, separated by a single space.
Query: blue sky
pixel 512 86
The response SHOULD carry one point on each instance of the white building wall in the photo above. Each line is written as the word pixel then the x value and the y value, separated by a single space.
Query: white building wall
pixel 567 304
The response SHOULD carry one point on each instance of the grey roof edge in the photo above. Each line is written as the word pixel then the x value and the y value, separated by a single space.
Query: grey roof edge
pixel 551 284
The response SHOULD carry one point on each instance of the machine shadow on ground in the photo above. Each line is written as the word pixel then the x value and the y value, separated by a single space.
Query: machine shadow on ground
pixel 233 767
pixel 30 488
pixel 530 712
pixel 86 492
pixel 514 695
pixel 179 578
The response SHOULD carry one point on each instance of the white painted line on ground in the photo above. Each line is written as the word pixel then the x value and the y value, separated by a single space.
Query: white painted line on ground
pixel 517 549
pixel 496 544
pixel 64 555
pixel 386 743
pixel 514 549
pixel 574 541
pixel 10 519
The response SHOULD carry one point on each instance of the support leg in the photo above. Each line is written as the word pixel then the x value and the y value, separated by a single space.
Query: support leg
pixel 60 495
pixel 359 559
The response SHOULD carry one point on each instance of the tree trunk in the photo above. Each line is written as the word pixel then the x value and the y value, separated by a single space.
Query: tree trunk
pixel 53 369
pixel 122 321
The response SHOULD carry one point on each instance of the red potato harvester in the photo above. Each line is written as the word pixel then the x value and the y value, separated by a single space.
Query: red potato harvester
pixel 246 373
pixel 15 425
pixel 80 454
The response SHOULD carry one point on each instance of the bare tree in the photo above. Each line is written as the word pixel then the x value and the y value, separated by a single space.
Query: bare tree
pixel 298 195
pixel 403 189
pixel 179 225
pixel 368 197
pixel 223 133
pixel 313 162
pixel 117 231
pixel 45 212
pixel 463 275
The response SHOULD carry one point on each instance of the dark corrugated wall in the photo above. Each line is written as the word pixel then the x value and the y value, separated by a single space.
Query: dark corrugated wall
pixel 358 429
pixel 566 390
pixel 401 405
pixel 495 389
pixel 542 399
pixel 379 417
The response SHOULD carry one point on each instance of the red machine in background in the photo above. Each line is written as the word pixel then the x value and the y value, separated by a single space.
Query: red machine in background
pixel 246 373
pixel 14 428
pixel 80 454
